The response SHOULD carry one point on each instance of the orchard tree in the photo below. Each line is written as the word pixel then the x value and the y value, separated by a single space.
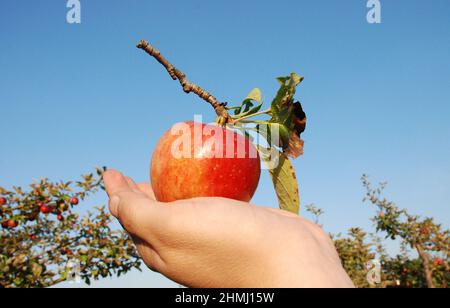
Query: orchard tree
pixel 429 240
pixel 44 241
pixel 358 250
pixel 356 253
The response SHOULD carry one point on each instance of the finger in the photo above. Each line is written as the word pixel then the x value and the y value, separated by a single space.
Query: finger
pixel 133 185
pixel 139 215
pixel 115 183
pixel 147 189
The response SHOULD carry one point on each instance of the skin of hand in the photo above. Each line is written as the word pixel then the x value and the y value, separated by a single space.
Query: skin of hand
pixel 222 243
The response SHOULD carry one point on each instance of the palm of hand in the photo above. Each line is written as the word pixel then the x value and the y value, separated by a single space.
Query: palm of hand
pixel 216 242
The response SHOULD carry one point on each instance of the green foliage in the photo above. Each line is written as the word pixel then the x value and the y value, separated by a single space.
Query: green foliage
pixel 289 115
pixel 37 250
pixel 430 242
pixel 428 239
pixel 315 211
pixel 355 253
pixel 248 106
pixel 286 121
pixel 285 183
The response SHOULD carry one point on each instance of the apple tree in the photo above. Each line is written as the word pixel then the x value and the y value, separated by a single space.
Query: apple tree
pixel 429 240
pixel 44 240
pixel 423 258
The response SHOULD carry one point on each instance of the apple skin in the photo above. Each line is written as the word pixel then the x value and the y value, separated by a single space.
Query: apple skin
pixel 175 178
pixel 438 262
pixel 12 224
pixel 45 209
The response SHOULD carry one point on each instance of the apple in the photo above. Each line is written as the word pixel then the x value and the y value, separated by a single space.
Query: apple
pixel 197 160
pixel 3 201
pixel 45 209
pixel 74 201
pixel 438 262
pixel 66 251
pixel 60 217
pixel 12 224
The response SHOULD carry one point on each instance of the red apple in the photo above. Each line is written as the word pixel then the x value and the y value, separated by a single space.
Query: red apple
pixel 74 201
pixel 12 224
pixel 3 201
pixel 197 160
pixel 60 217
pixel 438 262
pixel 45 209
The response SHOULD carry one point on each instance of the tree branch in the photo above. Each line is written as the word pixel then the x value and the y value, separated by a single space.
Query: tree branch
pixel 426 265
pixel 220 108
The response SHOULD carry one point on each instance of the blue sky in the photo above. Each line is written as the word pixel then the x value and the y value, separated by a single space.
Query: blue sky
pixel 377 96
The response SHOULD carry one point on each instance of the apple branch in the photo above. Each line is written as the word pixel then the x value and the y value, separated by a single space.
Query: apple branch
pixel 188 87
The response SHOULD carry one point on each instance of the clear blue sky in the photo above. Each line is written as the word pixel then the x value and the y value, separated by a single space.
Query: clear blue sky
pixel 377 96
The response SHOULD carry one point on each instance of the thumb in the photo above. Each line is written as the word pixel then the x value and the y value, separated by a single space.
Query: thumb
pixel 138 214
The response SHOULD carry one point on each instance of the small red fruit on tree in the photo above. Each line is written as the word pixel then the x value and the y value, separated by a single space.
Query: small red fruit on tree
pixel 74 201
pixel 66 251
pixel 438 262
pixel 3 201
pixel 12 224
pixel 5 225
pixel 207 168
pixel 33 237
pixel 45 209
pixel 60 217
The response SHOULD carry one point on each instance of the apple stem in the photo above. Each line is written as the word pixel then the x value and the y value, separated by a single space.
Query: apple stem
pixel 242 119
pixel 188 87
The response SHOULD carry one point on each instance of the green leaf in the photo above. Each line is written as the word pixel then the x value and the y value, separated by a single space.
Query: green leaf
pixel 266 133
pixel 247 107
pixel 284 181
pixel 296 79
pixel 255 95
pixel 36 269
pixel 282 105
pixel 289 114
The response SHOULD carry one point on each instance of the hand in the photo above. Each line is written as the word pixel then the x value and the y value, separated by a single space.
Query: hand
pixel 216 242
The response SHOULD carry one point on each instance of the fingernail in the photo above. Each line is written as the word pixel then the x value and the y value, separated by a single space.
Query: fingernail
pixel 114 205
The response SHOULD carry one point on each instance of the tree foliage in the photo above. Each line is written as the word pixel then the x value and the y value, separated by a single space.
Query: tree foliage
pixel 423 259
pixel 43 237
pixel 43 232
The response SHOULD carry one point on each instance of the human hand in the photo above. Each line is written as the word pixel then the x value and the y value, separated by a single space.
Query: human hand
pixel 216 242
